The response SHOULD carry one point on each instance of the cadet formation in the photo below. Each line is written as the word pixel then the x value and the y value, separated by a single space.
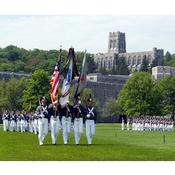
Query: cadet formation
pixel 55 118
pixel 148 124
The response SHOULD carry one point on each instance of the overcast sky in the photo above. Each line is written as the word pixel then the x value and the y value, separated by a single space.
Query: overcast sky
pixel 90 32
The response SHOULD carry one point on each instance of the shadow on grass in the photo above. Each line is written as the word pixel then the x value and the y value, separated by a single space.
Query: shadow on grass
pixel 74 145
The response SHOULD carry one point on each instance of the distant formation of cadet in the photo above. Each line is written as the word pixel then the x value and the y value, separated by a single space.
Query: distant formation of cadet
pixel 55 118
pixel 148 124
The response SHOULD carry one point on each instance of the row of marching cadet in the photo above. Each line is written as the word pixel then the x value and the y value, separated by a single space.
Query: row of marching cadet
pixel 20 121
pixel 55 118
pixel 148 124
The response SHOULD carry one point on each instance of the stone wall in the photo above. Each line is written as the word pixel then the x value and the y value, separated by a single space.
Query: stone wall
pixel 107 87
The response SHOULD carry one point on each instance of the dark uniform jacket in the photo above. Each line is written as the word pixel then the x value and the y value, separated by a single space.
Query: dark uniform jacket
pixel 67 111
pixel 78 111
pixel 90 113
pixel 54 111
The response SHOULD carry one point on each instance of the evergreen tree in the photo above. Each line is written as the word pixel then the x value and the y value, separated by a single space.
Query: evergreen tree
pixel 121 67
pixel 145 65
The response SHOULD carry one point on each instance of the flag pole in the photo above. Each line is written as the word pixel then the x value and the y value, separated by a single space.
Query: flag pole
pixel 78 82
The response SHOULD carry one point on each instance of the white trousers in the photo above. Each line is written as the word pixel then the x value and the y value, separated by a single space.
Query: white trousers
pixel 66 124
pixel 128 126
pixel 18 125
pixel 12 125
pixel 35 126
pixel 26 125
pixel 42 129
pixel 123 126
pixel 78 129
pixel 90 130
pixel 6 125
pixel 55 127
pixel 31 126
pixel 22 125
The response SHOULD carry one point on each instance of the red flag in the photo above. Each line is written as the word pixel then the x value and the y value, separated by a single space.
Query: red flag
pixel 71 55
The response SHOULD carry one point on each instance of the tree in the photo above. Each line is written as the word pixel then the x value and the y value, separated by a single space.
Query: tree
pixel 167 57
pixel 121 67
pixel 3 96
pixel 136 95
pixel 111 108
pixel 167 90
pixel 144 66
pixel 103 71
pixel 169 60
pixel 13 94
pixel 38 86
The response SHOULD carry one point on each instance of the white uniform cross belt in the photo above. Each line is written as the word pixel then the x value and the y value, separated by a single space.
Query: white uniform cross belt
pixel 90 111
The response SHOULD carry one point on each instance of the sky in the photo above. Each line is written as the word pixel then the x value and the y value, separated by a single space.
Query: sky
pixel 143 32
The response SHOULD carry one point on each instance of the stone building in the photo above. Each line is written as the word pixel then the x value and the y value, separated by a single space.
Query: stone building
pixel 159 72
pixel 9 75
pixel 117 49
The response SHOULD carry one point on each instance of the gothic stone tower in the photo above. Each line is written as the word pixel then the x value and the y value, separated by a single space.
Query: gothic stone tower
pixel 117 42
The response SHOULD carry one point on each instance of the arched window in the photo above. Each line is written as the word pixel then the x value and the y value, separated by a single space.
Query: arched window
pixel 114 44
pixel 111 44
pixel 149 59
pixel 134 60
pixel 139 60
pixel 129 60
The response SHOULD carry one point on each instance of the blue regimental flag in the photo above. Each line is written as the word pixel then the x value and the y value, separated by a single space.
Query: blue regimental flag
pixel 66 85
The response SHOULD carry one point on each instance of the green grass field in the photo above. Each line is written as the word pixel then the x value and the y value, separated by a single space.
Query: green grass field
pixel 109 143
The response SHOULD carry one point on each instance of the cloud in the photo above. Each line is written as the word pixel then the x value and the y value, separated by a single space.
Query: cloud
pixel 89 31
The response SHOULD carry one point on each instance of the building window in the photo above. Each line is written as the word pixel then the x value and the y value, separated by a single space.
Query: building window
pixel 109 65
pixel 114 44
pixel 134 60
pixel 139 60
pixel 149 59
pixel 111 44
pixel 129 61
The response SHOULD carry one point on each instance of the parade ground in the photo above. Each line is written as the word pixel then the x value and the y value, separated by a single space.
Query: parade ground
pixel 109 143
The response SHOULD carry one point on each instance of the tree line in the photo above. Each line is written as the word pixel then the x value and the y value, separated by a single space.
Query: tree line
pixel 15 59
pixel 143 95
pixel 24 94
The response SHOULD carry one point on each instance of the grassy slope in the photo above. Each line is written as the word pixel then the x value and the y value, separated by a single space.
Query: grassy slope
pixel 110 143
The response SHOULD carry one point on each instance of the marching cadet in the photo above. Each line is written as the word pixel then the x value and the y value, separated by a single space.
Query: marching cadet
pixel 31 122
pixel 18 122
pixel 54 114
pixel 90 120
pixel 128 121
pixel 35 123
pixel 66 118
pixel 27 117
pixel 78 114
pixel 22 118
pixel 133 124
pixel 12 121
pixel 6 119
pixel 123 122
pixel 42 112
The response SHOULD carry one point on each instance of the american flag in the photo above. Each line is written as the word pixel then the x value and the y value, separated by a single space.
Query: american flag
pixel 55 82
